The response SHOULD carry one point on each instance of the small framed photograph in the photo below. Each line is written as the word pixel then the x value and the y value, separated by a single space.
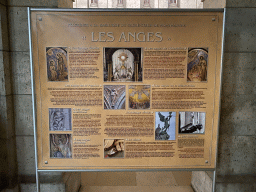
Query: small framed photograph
pixel 139 96
pixel 57 63
pixel 165 123
pixel 114 96
pixel 60 146
pixel 60 119
pixel 122 64
pixel 197 65
pixel 191 122
pixel 113 148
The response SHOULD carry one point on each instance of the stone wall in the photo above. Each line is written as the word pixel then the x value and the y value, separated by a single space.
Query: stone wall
pixel 214 3
pixel 236 165
pixel 17 159
pixel 8 161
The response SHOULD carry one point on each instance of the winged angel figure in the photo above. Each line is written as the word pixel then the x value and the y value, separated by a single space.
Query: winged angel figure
pixel 166 121
pixel 161 133
pixel 139 92
pixel 139 98
pixel 61 145
pixel 111 96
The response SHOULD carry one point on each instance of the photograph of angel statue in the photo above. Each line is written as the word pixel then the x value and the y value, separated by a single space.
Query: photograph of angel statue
pixel 165 125
pixel 114 96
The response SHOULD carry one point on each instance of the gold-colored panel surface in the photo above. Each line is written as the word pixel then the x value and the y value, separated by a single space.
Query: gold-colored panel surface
pixel 127 90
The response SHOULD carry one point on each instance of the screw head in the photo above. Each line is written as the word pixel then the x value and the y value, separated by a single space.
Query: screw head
pixel 213 19
pixel 46 162
pixel 206 161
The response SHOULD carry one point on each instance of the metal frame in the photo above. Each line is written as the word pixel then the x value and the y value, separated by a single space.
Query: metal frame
pixel 33 98
pixel 221 73
pixel 116 10
pixel 125 10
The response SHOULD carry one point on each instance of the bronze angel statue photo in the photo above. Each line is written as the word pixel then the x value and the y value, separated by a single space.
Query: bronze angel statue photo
pixel 165 125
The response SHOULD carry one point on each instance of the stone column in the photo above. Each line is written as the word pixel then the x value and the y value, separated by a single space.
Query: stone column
pixel 173 4
pixel 81 4
pixel 120 3
pixel 146 4
pixel 94 3
pixel 190 4
pixel 200 4
pixel 135 4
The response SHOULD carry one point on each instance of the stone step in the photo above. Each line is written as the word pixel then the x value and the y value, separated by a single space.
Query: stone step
pixel 136 188
pixel 53 182
pixel 158 178
pixel 53 187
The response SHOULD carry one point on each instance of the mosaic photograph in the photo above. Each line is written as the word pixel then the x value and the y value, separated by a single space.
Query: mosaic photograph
pixel 57 66
pixel 139 97
pixel 197 64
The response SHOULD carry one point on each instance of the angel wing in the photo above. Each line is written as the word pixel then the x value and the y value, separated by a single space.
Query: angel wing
pixel 145 92
pixel 120 89
pixel 139 95
pixel 107 90
pixel 161 117
pixel 67 139
pixel 51 120
pixel 133 93
pixel 65 60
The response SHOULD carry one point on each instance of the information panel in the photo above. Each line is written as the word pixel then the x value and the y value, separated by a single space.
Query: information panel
pixel 126 90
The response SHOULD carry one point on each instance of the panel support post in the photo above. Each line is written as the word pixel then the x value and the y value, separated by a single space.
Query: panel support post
pixel 214 181
pixel 33 98
pixel 37 181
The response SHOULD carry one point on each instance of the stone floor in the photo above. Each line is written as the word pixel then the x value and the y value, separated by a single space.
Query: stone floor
pixel 136 188
pixel 136 181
